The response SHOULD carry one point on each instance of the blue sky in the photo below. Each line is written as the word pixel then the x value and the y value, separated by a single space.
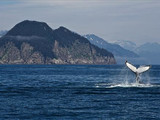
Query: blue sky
pixel 136 21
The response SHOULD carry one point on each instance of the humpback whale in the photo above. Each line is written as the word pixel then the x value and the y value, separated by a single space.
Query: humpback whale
pixel 138 70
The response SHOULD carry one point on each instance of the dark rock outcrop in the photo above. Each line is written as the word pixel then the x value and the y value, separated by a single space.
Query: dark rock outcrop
pixel 32 42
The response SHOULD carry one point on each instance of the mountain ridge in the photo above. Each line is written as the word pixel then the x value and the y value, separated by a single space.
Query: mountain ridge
pixel 33 42
pixel 30 28
pixel 115 48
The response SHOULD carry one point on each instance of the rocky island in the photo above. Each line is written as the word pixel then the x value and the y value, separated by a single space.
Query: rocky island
pixel 33 42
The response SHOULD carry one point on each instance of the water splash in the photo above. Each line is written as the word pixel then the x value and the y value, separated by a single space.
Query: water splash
pixel 130 85
pixel 126 79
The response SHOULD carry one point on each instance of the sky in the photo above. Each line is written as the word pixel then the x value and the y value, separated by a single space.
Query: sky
pixel 133 20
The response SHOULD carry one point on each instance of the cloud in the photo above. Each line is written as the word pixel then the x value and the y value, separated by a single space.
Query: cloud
pixel 110 19
pixel 24 38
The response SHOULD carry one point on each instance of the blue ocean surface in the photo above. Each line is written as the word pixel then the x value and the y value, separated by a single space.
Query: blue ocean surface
pixel 78 92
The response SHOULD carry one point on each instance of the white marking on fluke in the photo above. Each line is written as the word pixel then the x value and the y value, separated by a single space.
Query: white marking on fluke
pixel 137 71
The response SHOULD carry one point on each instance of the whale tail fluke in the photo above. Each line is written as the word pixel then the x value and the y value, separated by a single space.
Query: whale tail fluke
pixel 137 71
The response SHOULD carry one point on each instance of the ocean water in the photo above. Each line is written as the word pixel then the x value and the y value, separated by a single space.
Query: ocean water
pixel 78 92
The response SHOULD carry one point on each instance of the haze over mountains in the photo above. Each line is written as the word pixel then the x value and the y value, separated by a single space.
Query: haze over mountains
pixel 150 52
pixel 129 45
pixel 32 42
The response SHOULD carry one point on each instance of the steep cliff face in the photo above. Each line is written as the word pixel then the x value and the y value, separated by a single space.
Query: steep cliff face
pixel 10 54
pixel 31 42
pixel 80 53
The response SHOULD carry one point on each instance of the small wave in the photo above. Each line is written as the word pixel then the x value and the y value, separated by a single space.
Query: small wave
pixel 126 85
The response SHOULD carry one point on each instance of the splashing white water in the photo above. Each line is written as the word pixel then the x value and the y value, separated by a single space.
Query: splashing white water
pixel 126 85
pixel 130 85
pixel 127 79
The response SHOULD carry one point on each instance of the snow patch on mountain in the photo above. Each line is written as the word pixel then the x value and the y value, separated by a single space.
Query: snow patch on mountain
pixel 129 45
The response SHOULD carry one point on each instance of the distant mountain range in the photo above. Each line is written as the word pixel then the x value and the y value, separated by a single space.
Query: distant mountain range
pixel 33 42
pixel 121 54
pixel 116 49
pixel 129 45
pixel 150 52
